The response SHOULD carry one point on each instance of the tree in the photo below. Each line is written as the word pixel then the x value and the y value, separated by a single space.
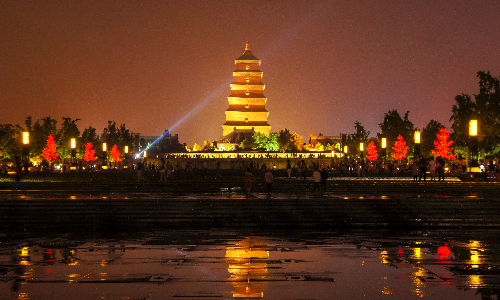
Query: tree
pixel 443 145
pixel 353 140
pixel 266 143
pixel 115 154
pixel 208 146
pixel 119 136
pixel 372 151
pixel 428 135
pixel 393 126
pixel 486 109
pixel 89 136
pixel 296 142
pixel 197 148
pixel 89 153
pixel 40 132
pixel 10 140
pixel 248 144
pixel 284 139
pixel 69 130
pixel 50 151
pixel 400 148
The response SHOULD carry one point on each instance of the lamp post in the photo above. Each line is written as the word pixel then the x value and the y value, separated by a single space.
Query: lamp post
pixel 26 149
pixel 473 141
pixel 126 156
pixel 73 149
pixel 416 152
pixel 362 151
pixel 345 153
pixel 104 154
pixel 384 146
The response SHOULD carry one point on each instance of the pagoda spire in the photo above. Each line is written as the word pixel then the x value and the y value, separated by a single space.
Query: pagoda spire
pixel 247 46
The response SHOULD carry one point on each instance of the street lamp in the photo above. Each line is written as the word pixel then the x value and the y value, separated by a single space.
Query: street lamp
pixel 26 138
pixel 417 144
pixel 384 145
pixel 73 149
pixel 145 153
pixel 473 141
pixel 104 154
pixel 362 153
pixel 26 148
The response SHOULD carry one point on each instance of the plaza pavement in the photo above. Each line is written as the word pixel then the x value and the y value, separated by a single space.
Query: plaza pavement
pixel 100 205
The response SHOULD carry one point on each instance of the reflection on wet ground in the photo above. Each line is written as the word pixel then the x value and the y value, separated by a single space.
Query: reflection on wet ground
pixel 217 264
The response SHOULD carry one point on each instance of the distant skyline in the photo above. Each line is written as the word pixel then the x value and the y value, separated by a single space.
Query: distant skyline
pixel 157 65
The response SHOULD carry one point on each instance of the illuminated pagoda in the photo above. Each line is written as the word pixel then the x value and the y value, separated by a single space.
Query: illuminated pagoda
pixel 247 103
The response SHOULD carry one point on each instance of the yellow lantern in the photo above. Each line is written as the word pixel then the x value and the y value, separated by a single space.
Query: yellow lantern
pixel 126 150
pixel 145 153
pixel 73 143
pixel 104 147
pixel 384 143
pixel 417 137
pixel 473 127
pixel 361 146
pixel 345 149
pixel 26 138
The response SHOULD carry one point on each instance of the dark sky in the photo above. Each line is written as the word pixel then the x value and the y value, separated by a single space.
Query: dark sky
pixel 155 65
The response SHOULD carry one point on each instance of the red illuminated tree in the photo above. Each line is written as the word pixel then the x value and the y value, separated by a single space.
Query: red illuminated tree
pixel 442 145
pixel 50 152
pixel 115 154
pixel 89 153
pixel 399 148
pixel 372 151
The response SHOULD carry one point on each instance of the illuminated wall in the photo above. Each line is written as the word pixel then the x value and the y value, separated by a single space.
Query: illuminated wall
pixel 247 103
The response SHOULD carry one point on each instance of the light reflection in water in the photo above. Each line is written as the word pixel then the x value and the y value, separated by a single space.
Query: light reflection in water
pixel 247 267
pixel 23 296
pixel 417 253
pixel 475 248
pixel 474 281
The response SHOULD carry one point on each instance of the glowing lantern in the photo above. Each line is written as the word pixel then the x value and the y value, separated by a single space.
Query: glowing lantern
pixel 145 153
pixel 73 143
pixel 361 146
pixel 26 138
pixel 384 143
pixel 417 137
pixel 104 147
pixel 345 149
pixel 473 127
pixel 126 150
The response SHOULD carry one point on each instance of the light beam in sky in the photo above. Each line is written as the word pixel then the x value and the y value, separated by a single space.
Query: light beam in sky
pixel 202 104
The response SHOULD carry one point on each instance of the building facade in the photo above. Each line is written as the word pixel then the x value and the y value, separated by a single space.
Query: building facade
pixel 247 103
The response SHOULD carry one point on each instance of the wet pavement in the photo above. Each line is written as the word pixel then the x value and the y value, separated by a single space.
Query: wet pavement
pixel 362 239
pixel 220 264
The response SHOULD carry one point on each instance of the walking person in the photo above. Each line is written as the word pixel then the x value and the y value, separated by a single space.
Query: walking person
pixel 304 169
pixel 289 169
pixel 140 171
pixel 248 181
pixel 324 178
pixel 415 172
pixel 441 164
pixel 432 168
pixel 269 181
pixel 317 180
pixel 423 168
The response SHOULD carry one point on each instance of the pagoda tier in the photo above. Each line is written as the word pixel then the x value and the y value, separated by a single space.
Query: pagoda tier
pixel 247 103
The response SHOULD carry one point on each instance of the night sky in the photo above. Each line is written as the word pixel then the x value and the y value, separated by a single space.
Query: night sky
pixel 155 65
